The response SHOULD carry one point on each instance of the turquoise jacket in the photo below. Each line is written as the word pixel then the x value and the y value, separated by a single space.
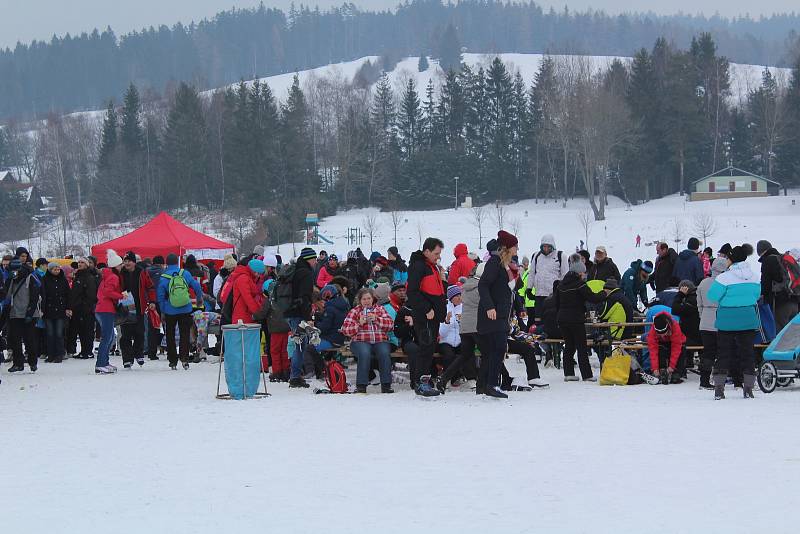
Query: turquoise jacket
pixel 736 291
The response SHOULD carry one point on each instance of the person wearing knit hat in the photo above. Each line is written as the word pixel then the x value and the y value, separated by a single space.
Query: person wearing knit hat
pixel 573 295
pixel 634 282
pixel 397 286
pixel 55 293
pixel 453 291
pixel 736 291
pixel 708 316
pixel 725 250
pixel 665 342
pixel 300 309
pixel 382 290
pixel 775 282
pixel 257 266
pixel 112 259
pixel 506 239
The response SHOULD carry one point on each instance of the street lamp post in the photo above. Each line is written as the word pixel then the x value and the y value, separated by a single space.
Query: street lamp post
pixel 456 179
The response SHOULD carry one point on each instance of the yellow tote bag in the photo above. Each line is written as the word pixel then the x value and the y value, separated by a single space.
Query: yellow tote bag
pixel 616 369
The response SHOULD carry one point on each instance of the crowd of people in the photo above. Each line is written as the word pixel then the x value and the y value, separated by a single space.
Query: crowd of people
pixel 454 325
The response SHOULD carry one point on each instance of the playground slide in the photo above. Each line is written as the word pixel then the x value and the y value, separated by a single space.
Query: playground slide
pixel 325 239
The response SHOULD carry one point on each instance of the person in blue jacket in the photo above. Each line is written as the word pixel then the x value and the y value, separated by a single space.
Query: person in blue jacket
pixel 634 282
pixel 688 266
pixel 736 291
pixel 336 308
pixel 182 317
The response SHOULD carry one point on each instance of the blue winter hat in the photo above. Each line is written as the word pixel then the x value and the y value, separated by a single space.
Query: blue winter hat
pixel 453 291
pixel 648 267
pixel 374 256
pixel 328 292
pixel 257 266
pixel 267 285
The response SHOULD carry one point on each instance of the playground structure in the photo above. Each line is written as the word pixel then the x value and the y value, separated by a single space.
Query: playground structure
pixel 313 237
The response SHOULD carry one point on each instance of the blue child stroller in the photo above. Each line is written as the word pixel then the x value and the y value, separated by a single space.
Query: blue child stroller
pixel 781 359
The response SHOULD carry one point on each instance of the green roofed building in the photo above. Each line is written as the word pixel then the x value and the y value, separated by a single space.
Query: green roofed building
pixel 731 182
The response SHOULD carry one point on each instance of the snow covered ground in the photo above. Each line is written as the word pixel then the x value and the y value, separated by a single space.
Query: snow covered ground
pixel 735 221
pixel 152 450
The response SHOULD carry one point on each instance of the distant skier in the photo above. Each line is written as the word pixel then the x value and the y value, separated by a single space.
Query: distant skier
pixel 638 241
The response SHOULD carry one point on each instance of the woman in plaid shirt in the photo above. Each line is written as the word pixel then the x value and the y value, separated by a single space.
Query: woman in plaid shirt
pixel 367 325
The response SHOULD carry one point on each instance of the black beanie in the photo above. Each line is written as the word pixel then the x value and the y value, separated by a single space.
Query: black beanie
pixel 661 322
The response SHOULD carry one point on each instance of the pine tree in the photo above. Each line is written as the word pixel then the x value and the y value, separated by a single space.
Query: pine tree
pixel 264 122
pixel 131 135
pixel 300 180
pixel 5 150
pixel 383 147
pixel 499 98
pixel 767 121
pixel 185 153
pixel 739 145
pixel 422 64
pixel 108 137
pixel 788 150
pixel 430 130
pixel 409 120
pixel 450 50
pixel 452 109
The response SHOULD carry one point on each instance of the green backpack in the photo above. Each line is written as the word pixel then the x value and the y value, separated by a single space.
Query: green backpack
pixel 178 290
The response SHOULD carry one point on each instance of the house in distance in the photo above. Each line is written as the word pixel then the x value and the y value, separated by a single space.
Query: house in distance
pixel 732 182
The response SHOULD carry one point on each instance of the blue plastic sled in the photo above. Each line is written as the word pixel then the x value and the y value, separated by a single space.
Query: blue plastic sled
pixel 242 346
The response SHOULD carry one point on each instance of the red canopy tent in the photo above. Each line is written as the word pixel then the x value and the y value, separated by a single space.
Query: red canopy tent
pixel 164 235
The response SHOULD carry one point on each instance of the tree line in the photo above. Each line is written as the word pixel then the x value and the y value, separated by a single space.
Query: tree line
pixel 81 71
pixel 639 130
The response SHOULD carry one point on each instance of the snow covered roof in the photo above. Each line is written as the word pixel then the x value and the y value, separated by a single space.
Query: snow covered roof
pixel 730 170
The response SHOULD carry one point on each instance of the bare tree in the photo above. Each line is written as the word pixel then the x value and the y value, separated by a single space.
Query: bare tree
pixel 704 225
pixel 516 225
pixel 586 219
pixel 478 219
pixel 677 231
pixel 499 215
pixel 420 232
pixel 371 224
pixel 397 219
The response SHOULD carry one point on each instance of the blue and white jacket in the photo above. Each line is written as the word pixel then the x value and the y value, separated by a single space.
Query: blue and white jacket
pixel 736 291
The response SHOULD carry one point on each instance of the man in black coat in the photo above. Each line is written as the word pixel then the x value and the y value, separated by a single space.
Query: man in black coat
pixel 665 263
pixel 300 310
pixel 427 305
pixel 131 342
pixel 82 301
pixel 773 284
pixel 603 267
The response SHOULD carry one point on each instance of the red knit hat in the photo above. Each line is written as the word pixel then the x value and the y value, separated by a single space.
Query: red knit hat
pixel 507 240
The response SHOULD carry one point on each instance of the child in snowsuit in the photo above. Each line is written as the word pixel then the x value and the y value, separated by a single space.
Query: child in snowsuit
pixel 278 337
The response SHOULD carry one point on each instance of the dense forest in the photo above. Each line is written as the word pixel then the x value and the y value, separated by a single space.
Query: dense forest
pixel 639 130
pixel 82 71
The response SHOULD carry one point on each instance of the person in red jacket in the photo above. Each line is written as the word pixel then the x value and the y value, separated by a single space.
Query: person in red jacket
pixel 665 342
pixel 462 265
pixel 108 295
pixel 246 291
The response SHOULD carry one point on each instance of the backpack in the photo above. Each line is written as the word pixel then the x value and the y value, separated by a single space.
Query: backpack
pixel 226 315
pixel 791 277
pixel 178 290
pixel 281 297
pixel 335 377
pixel 536 258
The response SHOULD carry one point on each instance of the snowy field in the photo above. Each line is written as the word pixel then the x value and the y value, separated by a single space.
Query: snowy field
pixel 152 450
pixel 670 219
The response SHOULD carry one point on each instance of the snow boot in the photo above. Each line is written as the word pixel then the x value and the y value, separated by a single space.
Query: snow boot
pixel 300 382
pixel 359 388
pixel 140 361
pixel 590 379
pixel 107 370
pixel 675 378
pixel 173 366
pixel 16 369
pixel 386 388
pixel 747 386
pixel 719 387
pixel 127 365
pixel 538 383
pixel 496 393
pixel 571 378
pixel 440 385
pixel 663 376
pixel 185 366
pixel 425 389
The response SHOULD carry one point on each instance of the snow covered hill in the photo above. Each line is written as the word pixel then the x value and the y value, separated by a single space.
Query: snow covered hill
pixel 736 221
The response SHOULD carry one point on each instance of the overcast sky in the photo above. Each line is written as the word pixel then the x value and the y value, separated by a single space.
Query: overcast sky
pixel 24 20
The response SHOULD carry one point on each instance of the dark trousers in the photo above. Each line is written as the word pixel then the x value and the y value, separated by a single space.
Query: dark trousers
pixel 538 306
pixel 426 333
pixel 461 361
pixel 531 317
pixel 54 330
pixel 664 355
pixel 493 349
pixel 85 325
pixel 18 332
pixel 735 348
pixel 131 342
pixel 708 356
pixel 411 350
pixel 184 322
pixel 575 340
pixel 153 340
pixel 71 337
pixel 528 356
